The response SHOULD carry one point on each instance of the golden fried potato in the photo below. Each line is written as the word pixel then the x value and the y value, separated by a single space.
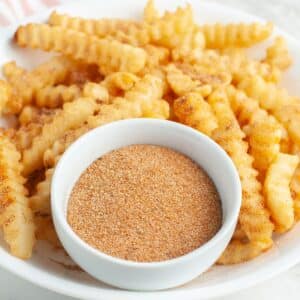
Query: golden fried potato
pixel 238 252
pixel 52 154
pixel 269 96
pixel 150 12
pixel 277 191
pixel 5 95
pixel 110 55
pixel 73 115
pixel 16 218
pixel 137 102
pixel 25 84
pixel 254 218
pixel 278 54
pixel 289 116
pixel 169 30
pixel 235 35
pixel 56 96
pixel 264 141
pixel 119 82
pixel 193 111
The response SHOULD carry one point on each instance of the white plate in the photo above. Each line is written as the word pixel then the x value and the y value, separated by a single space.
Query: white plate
pixel 49 268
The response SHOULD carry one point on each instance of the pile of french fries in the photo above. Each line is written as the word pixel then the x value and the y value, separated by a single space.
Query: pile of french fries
pixel 163 66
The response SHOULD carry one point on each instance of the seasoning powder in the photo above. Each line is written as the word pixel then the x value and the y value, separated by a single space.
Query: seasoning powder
pixel 144 203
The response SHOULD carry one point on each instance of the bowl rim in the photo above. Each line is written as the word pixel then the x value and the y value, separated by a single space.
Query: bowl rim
pixel 60 217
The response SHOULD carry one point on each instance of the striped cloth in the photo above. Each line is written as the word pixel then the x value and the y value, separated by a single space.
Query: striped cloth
pixel 15 10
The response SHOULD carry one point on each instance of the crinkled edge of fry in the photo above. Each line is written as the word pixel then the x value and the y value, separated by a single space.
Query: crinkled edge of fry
pixel 16 217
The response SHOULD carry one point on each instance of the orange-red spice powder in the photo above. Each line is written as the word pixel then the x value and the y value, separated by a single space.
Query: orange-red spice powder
pixel 144 203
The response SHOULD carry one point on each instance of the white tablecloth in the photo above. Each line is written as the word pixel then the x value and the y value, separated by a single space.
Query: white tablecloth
pixel 285 14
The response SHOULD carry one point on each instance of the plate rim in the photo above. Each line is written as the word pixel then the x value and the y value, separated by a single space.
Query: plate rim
pixel 220 289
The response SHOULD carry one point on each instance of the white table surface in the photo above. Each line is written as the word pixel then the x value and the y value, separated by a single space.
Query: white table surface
pixel 285 14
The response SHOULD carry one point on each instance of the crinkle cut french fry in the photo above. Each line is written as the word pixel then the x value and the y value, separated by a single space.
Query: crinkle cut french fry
pixel 100 27
pixel 26 84
pixel 11 71
pixel 32 114
pixel 119 81
pixel 278 54
pixel 55 96
pixel 82 73
pixel 96 91
pixel 10 168
pixel 15 217
pixel 145 91
pixel 190 46
pixel 160 110
pixel 246 109
pixel 28 114
pixel 150 12
pixel 137 102
pixel 120 109
pixel 124 31
pixel 182 84
pixel 194 111
pixel 26 133
pixel 295 187
pixel 179 82
pixel 211 60
pixel 165 31
pixel 265 132
pixel 168 30
pixel 235 62
pixel 241 66
pixel 264 141
pixel 289 116
pixel 135 35
pixel 239 233
pixel 32 121
pixel 295 183
pixel 51 155
pixel 45 230
pixel 269 96
pixel 5 95
pixel 18 229
pixel 235 35
pixel 239 252
pixel 204 75
pixel 277 191
pixel 40 201
pixel 110 55
pixel 156 56
pixel 286 143
pixel 254 218
pixel 160 73
pixel 73 115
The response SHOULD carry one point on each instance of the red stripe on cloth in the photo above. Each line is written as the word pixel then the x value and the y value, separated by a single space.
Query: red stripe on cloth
pixel 3 20
pixel 27 9
pixel 51 2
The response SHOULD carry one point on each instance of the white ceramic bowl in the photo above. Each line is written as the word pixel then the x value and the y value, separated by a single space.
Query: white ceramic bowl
pixel 153 275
